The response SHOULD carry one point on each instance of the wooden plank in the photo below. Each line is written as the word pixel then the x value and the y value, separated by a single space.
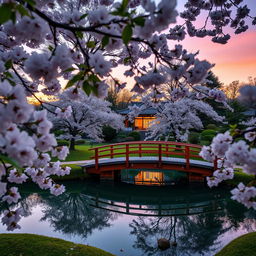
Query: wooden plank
pixel 160 155
pixel 96 159
pixel 215 167
pixel 127 155
pixel 187 157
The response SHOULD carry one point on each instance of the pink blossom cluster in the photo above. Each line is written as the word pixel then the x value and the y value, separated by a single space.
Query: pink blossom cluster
pixel 176 116
pixel 245 195
pixel 11 218
pixel 221 14
pixel 27 149
pixel 230 154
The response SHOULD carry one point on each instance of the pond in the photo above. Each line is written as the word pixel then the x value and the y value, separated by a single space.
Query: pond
pixel 127 220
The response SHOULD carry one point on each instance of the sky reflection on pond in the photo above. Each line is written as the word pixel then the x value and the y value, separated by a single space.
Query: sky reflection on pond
pixel 212 222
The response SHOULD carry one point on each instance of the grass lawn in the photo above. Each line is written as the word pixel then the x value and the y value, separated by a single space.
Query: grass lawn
pixel 242 246
pixel 35 245
pixel 82 152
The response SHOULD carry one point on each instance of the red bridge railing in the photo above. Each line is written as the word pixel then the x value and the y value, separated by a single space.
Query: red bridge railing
pixel 149 148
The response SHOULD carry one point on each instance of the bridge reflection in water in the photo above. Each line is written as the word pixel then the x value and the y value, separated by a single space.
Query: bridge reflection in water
pixel 155 201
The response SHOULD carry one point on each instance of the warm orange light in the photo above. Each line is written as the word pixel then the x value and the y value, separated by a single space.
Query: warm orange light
pixel 149 178
pixel 143 122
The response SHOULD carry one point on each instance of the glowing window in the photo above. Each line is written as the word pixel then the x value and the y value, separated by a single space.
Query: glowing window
pixel 142 123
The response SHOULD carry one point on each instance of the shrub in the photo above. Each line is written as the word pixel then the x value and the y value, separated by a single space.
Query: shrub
pixel 208 135
pixel 135 135
pixel 121 134
pixel 129 138
pixel 205 142
pixel 171 138
pixel 121 137
pixel 63 143
pixel 109 133
pixel 79 142
pixel 223 129
pixel 194 137
pixel 211 127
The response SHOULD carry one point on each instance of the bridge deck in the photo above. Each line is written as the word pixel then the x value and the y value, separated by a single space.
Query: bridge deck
pixel 148 159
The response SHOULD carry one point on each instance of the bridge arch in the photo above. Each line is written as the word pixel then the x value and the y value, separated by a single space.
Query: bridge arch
pixel 108 160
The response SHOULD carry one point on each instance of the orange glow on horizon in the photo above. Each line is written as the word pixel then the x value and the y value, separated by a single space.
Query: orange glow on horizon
pixel 235 60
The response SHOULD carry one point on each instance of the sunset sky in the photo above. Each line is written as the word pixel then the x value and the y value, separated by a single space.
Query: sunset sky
pixel 234 61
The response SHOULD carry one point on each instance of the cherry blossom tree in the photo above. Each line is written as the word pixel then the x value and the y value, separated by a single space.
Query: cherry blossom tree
pixel 248 96
pixel 45 42
pixel 78 117
pixel 232 90
pixel 177 111
pixel 234 148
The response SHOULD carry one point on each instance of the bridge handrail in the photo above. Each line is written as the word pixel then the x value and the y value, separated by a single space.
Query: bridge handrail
pixel 150 142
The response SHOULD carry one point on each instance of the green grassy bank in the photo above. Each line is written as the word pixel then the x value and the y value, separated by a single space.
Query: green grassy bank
pixel 35 245
pixel 242 246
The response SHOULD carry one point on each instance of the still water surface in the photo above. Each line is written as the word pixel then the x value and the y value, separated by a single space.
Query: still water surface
pixel 127 220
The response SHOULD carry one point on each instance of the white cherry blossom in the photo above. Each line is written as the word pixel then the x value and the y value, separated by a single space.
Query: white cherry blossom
pixel 12 195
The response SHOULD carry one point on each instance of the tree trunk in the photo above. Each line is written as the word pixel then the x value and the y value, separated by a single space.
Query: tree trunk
pixel 72 144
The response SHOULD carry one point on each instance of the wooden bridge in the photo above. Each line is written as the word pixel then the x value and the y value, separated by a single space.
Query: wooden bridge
pixel 109 160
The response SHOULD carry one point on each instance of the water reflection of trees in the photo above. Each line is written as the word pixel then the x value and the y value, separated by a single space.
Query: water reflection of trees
pixel 27 203
pixel 195 235
pixel 198 234
pixel 71 213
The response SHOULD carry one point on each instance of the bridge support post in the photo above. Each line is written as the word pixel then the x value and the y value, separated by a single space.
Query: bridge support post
pixel 96 159
pixel 187 157
pixel 111 151
pixel 160 155
pixel 215 167
pixel 127 155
